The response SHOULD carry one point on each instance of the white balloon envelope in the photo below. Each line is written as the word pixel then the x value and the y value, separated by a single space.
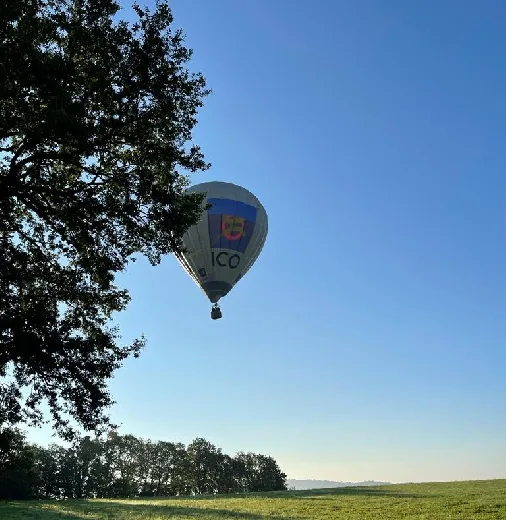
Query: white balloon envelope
pixel 225 243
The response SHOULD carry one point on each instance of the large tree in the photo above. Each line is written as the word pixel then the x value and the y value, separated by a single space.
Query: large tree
pixel 96 119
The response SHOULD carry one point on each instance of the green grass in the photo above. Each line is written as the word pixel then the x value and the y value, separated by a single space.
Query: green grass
pixel 476 500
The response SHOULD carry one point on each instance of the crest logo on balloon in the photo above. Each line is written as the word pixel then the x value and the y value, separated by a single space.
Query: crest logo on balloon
pixel 231 224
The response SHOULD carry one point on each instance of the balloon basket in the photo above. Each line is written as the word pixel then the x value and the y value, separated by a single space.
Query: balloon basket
pixel 216 312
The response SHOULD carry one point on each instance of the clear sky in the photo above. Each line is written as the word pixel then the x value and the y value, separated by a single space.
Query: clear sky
pixel 369 339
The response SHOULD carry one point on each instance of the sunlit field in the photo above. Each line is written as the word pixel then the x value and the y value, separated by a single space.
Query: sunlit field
pixel 431 501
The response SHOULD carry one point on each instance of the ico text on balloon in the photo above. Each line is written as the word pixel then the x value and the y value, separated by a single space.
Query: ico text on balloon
pixel 224 259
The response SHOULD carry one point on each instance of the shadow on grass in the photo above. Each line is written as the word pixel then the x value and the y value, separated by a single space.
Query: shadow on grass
pixel 363 491
pixel 112 508
pixel 307 493
pixel 83 509
pixel 34 511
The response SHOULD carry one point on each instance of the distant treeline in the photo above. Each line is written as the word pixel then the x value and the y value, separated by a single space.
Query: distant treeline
pixel 126 466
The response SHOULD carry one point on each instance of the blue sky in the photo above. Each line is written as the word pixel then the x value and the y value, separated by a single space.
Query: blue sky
pixel 369 339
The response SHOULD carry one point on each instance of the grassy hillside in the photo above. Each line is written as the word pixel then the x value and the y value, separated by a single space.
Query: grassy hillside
pixel 474 500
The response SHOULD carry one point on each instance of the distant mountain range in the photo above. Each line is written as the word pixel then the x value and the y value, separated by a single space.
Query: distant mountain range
pixel 319 484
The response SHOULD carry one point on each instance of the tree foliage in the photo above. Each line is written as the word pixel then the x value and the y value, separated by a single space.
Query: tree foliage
pixel 126 466
pixel 96 119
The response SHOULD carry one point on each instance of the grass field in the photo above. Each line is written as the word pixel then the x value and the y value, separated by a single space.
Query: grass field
pixel 432 501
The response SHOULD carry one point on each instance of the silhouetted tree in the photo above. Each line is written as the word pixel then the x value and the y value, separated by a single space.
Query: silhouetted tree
pixel 260 473
pixel 125 466
pixel 96 117
pixel 229 478
pixel 48 468
pixel 19 475
pixel 169 469
pixel 205 461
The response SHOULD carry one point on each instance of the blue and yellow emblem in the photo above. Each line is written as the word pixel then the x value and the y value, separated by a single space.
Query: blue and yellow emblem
pixel 231 224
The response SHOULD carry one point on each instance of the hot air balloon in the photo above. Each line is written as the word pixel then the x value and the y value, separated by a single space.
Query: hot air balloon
pixel 225 243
